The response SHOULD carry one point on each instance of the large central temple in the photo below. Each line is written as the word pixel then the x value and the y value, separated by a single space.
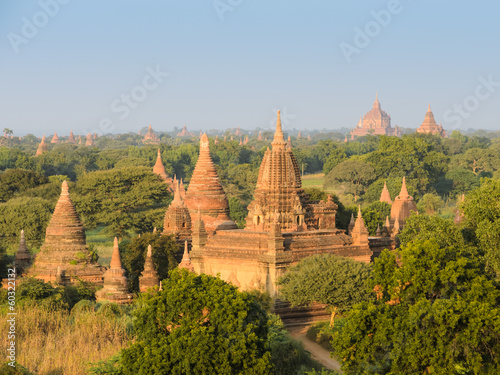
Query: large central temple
pixel 283 226
pixel 376 122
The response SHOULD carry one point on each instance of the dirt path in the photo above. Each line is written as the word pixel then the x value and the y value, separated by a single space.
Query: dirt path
pixel 319 353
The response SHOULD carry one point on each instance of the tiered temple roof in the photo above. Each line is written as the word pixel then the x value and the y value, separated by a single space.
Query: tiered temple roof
pixel 55 138
pixel 402 207
pixel 89 141
pixel 115 283
pixel 149 276
pixel 185 132
pixel 65 246
pixel 42 147
pixel 205 192
pixel 177 220
pixel 279 190
pixel 430 126
pixel 150 136
pixel 376 121
pixel 385 196
pixel 71 138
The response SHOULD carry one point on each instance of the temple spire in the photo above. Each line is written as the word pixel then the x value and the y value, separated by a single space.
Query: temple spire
pixel 404 191
pixel 385 196
pixel 279 138
pixel 115 257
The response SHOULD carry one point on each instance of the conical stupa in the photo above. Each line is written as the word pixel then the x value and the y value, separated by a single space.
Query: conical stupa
pixel 177 220
pixel 71 138
pixel 205 192
pixel 55 138
pixel 385 196
pixel 159 169
pixel 149 276
pixel 186 260
pixel 89 141
pixel 65 246
pixel 115 283
pixel 42 147
pixel 360 232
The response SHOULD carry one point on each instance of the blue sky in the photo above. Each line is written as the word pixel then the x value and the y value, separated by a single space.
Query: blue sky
pixel 237 64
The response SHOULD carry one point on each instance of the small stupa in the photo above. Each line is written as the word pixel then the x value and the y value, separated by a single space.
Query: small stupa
pixel 186 260
pixel 89 141
pixel 360 232
pixel 159 169
pixel 402 207
pixel 71 138
pixel 149 277
pixel 115 283
pixel 385 196
pixel 55 138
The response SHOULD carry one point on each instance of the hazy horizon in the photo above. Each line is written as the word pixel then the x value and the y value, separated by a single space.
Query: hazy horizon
pixel 119 66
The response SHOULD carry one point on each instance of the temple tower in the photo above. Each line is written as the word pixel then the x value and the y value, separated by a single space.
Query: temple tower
pixel 159 169
pixel 71 138
pixel 149 276
pixel 359 232
pixel 205 192
pixel 385 196
pixel 115 283
pixel 42 147
pixel 376 121
pixel 23 258
pixel 186 260
pixel 150 136
pixel 279 190
pixel 89 141
pixel 402 207
pixel 55 138
pixel 177 220
pixel 65 246
pixel 430 126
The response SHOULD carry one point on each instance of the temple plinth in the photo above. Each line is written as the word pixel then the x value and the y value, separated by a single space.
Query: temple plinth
pixel 115 283
pixel 205 192
pixel 65 246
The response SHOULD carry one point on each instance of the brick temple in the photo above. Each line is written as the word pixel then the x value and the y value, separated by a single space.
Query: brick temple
pixel 430 125
pixel 375 122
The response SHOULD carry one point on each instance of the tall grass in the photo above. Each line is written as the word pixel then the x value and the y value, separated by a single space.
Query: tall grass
pixel 52 342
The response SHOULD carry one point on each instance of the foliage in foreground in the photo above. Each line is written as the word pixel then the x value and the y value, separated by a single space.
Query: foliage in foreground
pixel 198 324
pixel 436 312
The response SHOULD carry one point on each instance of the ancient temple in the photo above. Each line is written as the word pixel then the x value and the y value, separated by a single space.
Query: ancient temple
pixel 186 260
pixel 89 141
pixel 65 246
pixel 159 169
pixel 283 227
pixel 376 122
pixel 430 126
pixel 205 192
pixel 385 196
pixel 71 138
pixel 115 283
pixel 238 131
pixel 150 136
pixel 177 220
pixel 149 277
pixel 185 132
pixel 402 207
pixel 359 232
pixel 42 147
pixel 55 138
pixel 259 138
pixel 23 257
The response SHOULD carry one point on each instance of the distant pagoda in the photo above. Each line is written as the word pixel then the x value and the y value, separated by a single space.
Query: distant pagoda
pixel 150 136
pixel 149 277
pixel 71 138
pixel 89 141
pixel 42 147
pixel 55 139
pixel 376 122
pixel 430 126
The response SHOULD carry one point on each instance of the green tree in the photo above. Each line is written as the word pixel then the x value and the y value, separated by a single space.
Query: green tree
pixel 482 212
pixel 163 251
pixel 336 157
pixel 436 312
pixel 374 216
pixel 14 181
pixel 336 281
pixel 123 200
pixel 355 174
pixel 430 203
pixel 198 324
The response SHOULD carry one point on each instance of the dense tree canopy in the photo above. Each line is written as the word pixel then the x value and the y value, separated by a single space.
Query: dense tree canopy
pixel 198 324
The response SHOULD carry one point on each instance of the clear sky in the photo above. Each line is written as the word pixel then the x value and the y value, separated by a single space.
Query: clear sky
pixel 90 65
